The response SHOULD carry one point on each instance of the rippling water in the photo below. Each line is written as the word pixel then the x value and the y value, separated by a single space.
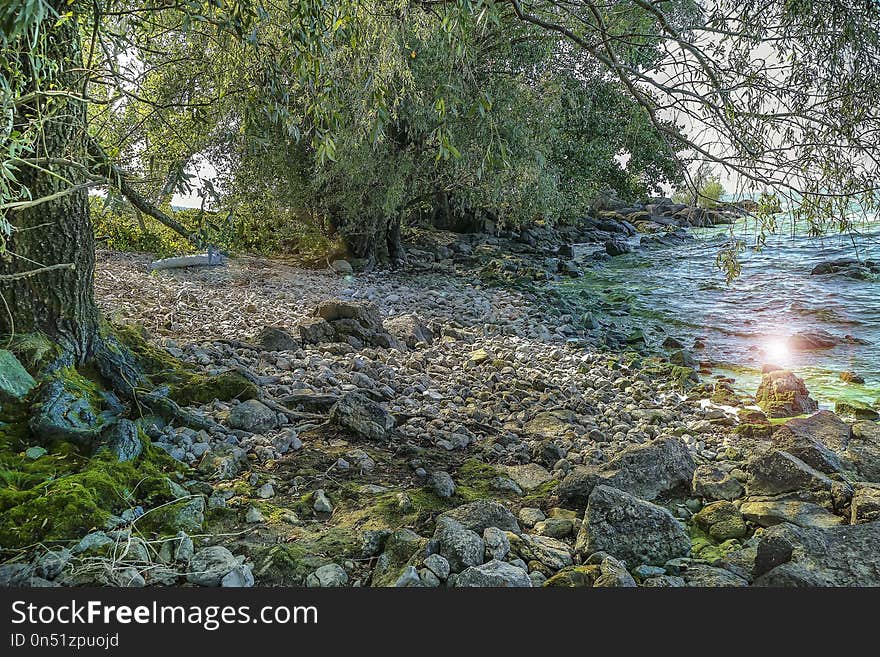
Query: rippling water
pixel 742 323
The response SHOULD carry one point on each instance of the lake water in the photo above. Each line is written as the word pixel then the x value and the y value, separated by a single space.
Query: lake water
pixel 678 291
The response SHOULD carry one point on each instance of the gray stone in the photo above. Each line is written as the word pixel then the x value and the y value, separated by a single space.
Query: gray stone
pixel 409 578
pixel 253 516
pixel 438 565
pixel 401 547
pixel 613 574
pixel 799 556
pixel 784 394
pixel 14 575
pixel 865 504
pixel 341 267
pixel 493 574
pixel 480 514
pixel 664 581
pixel 183 547
pixel 767 513
pixel 460 546
pixel 321 503
pixel 239 577
pixel 266 491
pixel 15 382
pixel 410 330
pixel 362 416
pixel 61 412
pixel 551 552
pixel 529 516
pixel 363 312
pixel 497 543
pixel 210 565
pixel 780 472
pixel 631 529
pixel 703 575
pixel 528 476
pixel 712 483
pixel 331 575
pixel 92 543
pixel 275 338
pixel 646 471
pixel 50 564
pixel 441 484
pixel 253 416
pixel 314 330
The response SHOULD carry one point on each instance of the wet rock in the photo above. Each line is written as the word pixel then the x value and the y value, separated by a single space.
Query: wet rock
pixel 493 574
pixel 712 483
pixel 722 520
pixel 275 338
pixel 863 451
pixel 616 247
pixel 784 394
pixel 480 514
pixel 363 416
pixel 630 529
pixel 851 377
pixel 798 556
pixel 328 576
pixel 849 267
pixel 812 340
pixel 252 416
pixel 646 471
pixel 804 514
pixel 209 565
pixel 15 382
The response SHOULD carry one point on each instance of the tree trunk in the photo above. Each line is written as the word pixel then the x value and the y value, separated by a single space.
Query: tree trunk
pixel 58 303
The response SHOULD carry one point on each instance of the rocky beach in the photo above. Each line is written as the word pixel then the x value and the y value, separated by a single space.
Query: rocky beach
pixel 466 420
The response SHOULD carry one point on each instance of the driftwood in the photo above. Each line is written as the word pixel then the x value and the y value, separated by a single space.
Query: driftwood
pixel 210 259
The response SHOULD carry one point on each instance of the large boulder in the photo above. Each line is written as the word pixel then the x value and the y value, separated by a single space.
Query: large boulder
pixel 362 416
pixel 616 247
pixel 636 531
pixel 275 338
pixel 816 440
pixel 767 513
pixel 712 483
pixel 862 454
pixel 778 472
pixel 315 330
pixel 461 547
pixel 493 574
pixel 646 471
pixel 784 394
pixel 364 312
pixel 848 555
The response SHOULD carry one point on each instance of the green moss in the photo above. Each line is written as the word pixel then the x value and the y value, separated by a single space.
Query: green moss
pixel 751 430
pixel 575 576
pixel 539 494
pixel 62 494
pixel 225 386
pixel 704 548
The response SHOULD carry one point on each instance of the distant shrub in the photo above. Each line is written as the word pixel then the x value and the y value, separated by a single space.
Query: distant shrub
pixel 710 194
pixel 122 230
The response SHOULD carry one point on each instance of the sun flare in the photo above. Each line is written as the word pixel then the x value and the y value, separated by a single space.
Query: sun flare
pixel 777 351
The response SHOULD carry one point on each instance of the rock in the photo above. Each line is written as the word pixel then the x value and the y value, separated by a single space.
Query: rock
pixel 314 330
pixel 851 377
pixel 575 577
pixel 254 515
pixel 630 529
pixel 363 416
pixel 865 504
pixel 438 565
pixel 441 484
pixel 550 423
pixel 480 514
pixel 816 440
pixel 461 547
pixel 123 440
pixel 365 313
pixel 683 358
pixel 61 412
pixel 849 267
pixel 702 575
pixel 50 564
pixel 275 338
pixel 210 565
pixel 856 410
pixel 712 483
pixel 493 574
pixel 15 381
pixel 863 451
pixel 779 472
pixel 183 549
pixel 529 516
pixel 616 247
pixel 341 267
pixel 613 574
pixel 646 471
pixel 812 340
pixel 409 578
pixel 239 577
pixel 528 476
pixel 799 556
pixel 321 503
pixel 266 491
pixel 93 543
pixel 804 514
pixel 664 581
pixel 497 543
pixel 252 416
pixel 15 575
pixel 401 547
pixel 328 576
pixel 555 527
pixel 552 553
pixel 784 394
pixel 410 330
pixel 722 520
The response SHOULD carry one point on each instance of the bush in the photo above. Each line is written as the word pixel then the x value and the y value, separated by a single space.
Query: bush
pixel 121 230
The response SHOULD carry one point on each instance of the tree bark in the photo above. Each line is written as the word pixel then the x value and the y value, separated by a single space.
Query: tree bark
pixel 59 303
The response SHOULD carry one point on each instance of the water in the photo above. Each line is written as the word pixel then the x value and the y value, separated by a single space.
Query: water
pixel 678 290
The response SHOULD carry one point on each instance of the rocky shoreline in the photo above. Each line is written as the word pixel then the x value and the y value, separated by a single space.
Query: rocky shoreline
pixel 458 423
